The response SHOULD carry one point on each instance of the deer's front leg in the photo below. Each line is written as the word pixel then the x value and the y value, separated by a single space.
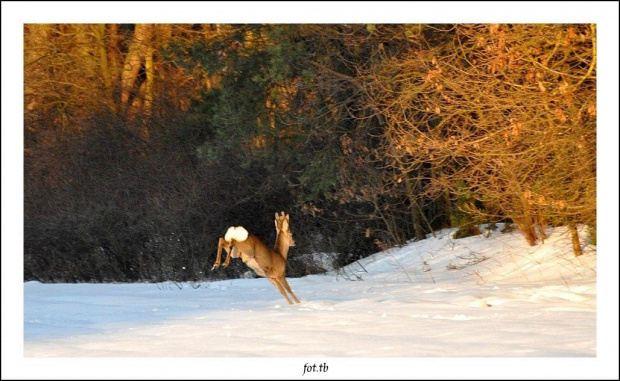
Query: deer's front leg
pixel 284 283
pixel 280 288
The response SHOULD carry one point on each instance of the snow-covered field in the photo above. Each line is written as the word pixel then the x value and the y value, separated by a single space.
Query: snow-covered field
pixel 477 307
pixel 471 297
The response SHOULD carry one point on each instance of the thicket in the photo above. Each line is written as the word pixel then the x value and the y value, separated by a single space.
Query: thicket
pixel 144 143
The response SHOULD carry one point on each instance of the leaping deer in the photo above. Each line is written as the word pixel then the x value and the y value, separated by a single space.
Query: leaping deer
pixel 265 262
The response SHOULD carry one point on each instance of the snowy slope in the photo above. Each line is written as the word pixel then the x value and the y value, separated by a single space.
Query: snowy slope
pixel 476 296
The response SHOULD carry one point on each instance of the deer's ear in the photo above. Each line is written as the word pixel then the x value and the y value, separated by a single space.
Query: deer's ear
pixel 287 216
pixel 276 222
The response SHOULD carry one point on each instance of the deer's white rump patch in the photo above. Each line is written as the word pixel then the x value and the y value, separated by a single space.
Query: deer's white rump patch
pixel 238 233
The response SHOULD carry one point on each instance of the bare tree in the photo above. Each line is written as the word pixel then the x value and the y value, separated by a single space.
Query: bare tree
pixel 508 111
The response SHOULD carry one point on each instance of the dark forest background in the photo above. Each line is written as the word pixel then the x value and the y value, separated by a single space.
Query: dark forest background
pixel 143 143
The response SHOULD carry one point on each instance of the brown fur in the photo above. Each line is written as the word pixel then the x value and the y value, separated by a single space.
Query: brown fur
pixel 265 262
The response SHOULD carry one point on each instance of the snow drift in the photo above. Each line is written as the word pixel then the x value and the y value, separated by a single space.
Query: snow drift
pixel 476 296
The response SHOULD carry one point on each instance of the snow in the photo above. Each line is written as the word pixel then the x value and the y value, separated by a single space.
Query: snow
pixel 470 297
pixel 477 307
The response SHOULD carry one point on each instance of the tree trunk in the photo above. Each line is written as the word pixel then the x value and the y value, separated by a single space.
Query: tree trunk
pixel 150 76
pixel 102 51
pixel 575 238
pixel 415 212
pixel 133 61
pixel 115 60
pixel 541 227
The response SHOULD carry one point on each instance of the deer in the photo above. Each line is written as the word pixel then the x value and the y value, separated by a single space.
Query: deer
pixel 266 262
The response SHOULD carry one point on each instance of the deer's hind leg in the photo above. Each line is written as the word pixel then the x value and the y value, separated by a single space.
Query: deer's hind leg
pixel 221 243
pixel 226 246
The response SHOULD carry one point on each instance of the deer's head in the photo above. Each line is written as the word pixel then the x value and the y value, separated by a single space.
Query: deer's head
pixel 283 229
